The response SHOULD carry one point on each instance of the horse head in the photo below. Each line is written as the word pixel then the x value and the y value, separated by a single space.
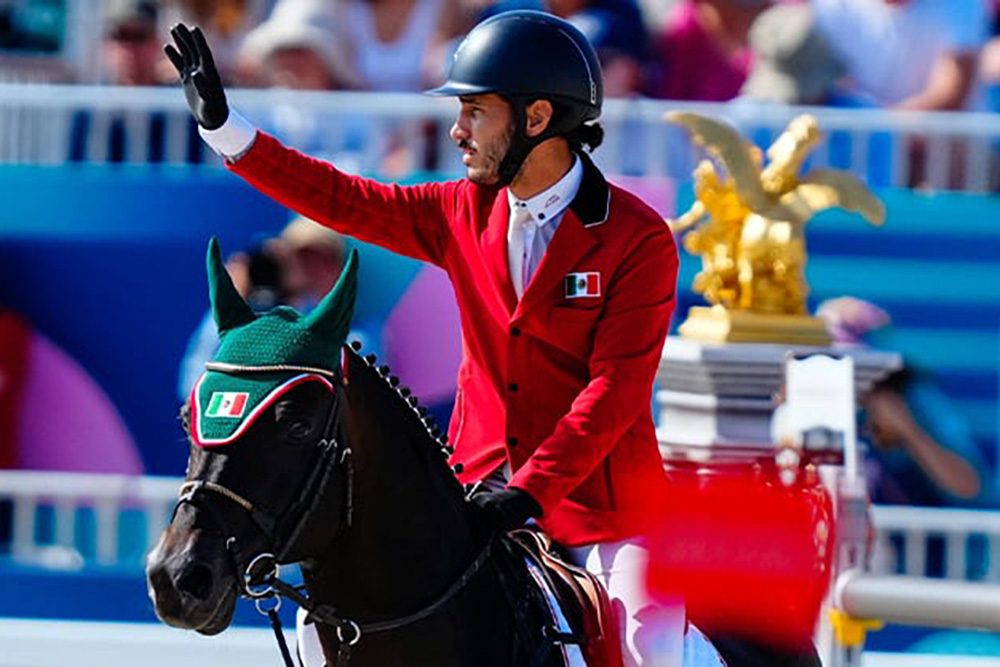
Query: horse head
pixel 268 471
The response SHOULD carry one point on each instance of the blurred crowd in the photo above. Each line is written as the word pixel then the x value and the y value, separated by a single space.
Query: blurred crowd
pixel 903 54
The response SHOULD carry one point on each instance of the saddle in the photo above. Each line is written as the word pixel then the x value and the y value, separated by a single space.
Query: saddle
pixel 580 601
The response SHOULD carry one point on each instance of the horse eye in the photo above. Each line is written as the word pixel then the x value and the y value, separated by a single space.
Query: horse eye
pixel 299 429
pixel 295 423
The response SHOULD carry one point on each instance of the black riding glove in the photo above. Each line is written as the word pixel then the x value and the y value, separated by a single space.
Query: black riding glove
pixel 507 509
pixel 202 86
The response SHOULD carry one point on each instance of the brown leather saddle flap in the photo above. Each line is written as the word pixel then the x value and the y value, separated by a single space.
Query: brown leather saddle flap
pixel 581 596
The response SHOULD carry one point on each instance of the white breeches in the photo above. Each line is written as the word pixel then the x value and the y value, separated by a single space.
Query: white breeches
pixel 651 633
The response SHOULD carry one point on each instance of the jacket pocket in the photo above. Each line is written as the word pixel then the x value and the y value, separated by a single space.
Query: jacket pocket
pixel 572 329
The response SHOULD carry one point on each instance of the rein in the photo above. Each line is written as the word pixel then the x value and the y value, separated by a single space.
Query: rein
pixel 349 632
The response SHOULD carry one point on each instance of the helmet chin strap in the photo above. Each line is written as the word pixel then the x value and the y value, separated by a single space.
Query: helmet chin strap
pixel 521 144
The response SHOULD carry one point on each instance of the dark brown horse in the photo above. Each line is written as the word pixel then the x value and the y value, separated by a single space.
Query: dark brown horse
pixel 334 467
pixel 304 452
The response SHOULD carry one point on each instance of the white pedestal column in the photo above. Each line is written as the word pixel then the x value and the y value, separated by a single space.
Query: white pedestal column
pixel 717 399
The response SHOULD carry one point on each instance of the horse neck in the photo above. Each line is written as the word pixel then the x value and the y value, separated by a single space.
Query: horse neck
pixel 409 537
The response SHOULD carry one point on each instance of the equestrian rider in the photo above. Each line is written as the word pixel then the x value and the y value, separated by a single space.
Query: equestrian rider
pixel 565 283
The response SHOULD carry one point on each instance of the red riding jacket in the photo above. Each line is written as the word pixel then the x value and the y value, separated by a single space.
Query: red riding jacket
pixel 559 383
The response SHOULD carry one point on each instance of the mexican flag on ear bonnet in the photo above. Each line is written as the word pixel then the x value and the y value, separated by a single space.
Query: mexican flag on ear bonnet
pixel 225 403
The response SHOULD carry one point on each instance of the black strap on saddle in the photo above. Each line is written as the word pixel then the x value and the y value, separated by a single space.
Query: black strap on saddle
pixel 537 630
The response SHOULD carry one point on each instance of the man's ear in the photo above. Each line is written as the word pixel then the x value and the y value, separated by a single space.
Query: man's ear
pixel 538 115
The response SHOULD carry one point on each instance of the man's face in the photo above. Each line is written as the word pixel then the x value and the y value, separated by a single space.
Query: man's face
pixel 483 131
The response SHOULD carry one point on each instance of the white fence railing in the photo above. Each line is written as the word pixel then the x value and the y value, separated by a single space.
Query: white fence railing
pixel 47 511
pixel 904 536
pixel 44 124
pixel 954 544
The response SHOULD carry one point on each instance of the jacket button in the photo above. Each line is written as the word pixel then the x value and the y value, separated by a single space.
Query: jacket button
pixel 512 442
pixel 512 386
pixel 515 331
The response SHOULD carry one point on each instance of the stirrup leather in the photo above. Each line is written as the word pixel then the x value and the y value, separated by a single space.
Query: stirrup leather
pixel 581 596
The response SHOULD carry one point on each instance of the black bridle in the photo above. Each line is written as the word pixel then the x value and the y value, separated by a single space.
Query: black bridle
pixel 260 578
pixel 282 532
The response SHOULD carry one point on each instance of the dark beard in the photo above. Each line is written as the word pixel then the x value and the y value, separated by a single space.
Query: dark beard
pixel 489 173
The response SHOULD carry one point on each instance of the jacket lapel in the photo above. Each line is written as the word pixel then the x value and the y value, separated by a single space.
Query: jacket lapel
pixel 574 238
pixel 571 242
pixel 494 242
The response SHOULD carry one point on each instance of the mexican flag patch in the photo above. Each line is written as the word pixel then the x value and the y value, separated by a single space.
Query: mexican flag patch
pixel 583 284
pixel 227 404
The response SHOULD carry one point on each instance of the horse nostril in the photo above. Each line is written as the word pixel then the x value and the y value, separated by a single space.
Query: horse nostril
pixel 196 581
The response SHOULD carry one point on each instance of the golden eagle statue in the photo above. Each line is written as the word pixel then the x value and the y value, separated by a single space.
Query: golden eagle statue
pixel 747 225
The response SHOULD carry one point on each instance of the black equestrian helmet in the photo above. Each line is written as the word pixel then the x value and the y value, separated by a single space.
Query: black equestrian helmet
pixel 529 55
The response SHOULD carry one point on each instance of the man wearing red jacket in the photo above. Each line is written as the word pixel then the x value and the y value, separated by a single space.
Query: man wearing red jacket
pixel 565 283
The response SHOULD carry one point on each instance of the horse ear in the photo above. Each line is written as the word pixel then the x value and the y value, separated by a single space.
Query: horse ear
pixel 331 319
pixel 228 307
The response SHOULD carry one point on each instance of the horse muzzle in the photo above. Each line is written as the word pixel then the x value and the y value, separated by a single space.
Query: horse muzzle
pixel 192 582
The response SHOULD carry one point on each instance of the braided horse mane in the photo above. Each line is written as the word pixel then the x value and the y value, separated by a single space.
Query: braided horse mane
pixel 419 423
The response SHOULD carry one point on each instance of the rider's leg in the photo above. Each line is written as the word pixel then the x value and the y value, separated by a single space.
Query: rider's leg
pixel 652 633
pixel 309 649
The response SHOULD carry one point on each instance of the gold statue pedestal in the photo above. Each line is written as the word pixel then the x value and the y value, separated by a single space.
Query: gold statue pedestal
pixel 718 325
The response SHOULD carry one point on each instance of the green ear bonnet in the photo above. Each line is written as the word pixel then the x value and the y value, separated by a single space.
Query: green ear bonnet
pixel 263 356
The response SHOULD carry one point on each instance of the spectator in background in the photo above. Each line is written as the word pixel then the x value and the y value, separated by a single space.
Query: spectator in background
pixel 704 49
pixel 257 275
pixel 616 30
pixel 989 61
pixel 312 257
pixel 913 55
pixel 922 450
pixel 131 46
pixel 224 22
pixel 388 46
pixel 300 47
pixel 792 61
pixel 133 53
pixel 297 268
pixel 907 54
pixel 794 64
pixel 400 45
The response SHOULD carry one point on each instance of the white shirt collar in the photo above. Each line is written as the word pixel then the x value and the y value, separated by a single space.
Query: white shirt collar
pixel 551 202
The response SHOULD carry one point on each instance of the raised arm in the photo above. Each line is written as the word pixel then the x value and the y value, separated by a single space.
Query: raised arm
pixel 413 220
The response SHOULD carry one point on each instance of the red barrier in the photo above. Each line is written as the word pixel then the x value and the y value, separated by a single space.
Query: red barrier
pixel 750 556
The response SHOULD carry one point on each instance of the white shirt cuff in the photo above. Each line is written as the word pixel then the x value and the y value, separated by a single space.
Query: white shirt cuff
pixel 233 139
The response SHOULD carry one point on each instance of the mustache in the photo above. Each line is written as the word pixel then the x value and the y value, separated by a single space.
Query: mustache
pixel 464 144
